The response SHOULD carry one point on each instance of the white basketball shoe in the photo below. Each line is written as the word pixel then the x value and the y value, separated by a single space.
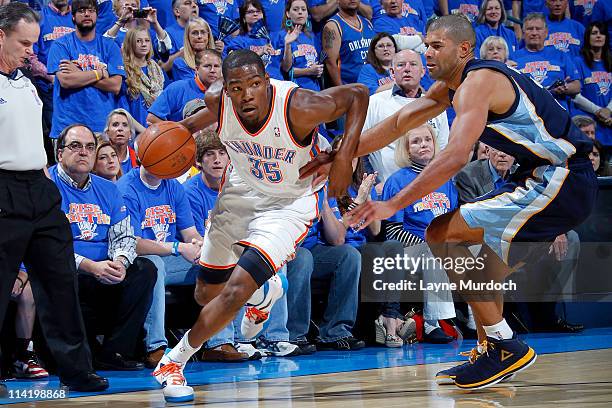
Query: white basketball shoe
pixel 260 303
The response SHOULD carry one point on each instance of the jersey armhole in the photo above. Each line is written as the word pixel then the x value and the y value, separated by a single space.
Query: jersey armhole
pixel 220 113
pixel 310 138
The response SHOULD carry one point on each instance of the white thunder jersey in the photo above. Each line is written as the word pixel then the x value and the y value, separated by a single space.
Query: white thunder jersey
pixel 270 159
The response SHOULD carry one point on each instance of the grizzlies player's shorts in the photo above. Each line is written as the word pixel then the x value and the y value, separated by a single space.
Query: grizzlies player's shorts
pixel 245 218
pixel 549 202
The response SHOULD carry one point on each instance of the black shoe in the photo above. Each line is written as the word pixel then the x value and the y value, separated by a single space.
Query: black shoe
pixel 3 391
pixel 305 346
pixel 343 344
pixel 562 326
pixel 437 336
pixel 116 362
pixel 90 382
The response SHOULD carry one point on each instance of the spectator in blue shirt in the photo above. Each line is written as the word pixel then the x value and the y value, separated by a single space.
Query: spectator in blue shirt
pixel 212 10
pixel 183 10
pixel 376 74
pixel 115 287
pixel 581 10
pixel 401 17
pixel 121 133
pixel 468 8
pixel 491 21
pixel 273 10
pixel 144 78
pixel 322 10
pixel 163 225
pixel 106 164
pixel 595 66
pixel 301 55
pixel 197 39
pixel 602 12
pixel 124 12
pixel 564 34
pixel 169 105
pixel 549 67
pixel 413 153
pixel 89 72
pixel 270 48
pixel 164 11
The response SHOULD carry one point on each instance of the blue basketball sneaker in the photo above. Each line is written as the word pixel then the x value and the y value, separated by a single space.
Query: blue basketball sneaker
pixel 447 377
pixel 498 362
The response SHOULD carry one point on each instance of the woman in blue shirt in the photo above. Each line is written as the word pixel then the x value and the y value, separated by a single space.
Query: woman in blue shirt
pixel 144 78
pixel 300 56
pixel 595 67
pixel 252 37
pixel 490 21
pixel 375 74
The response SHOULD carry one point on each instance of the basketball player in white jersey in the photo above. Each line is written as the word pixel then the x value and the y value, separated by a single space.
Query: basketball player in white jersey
pixel 264 210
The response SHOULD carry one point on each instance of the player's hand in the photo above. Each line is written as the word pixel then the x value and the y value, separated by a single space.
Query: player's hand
pixel 109 272
pixel 368 212
pixel 559 246
pixel 190 251
pixel 340 177
pixel 318 167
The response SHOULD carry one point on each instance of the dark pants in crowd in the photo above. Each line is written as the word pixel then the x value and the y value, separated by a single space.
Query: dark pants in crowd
pixel 33 229
pixel 118 311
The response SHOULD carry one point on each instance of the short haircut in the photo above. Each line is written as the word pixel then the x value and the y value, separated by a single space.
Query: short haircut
pixel 535 16
pixel 493 39
pixel 242 58
pixel 402 153
pixel 583 120
pixel 456 26
pixel 206 140
pixel 62 136
pixel 11 14
pixel 78 4
pixel 207 53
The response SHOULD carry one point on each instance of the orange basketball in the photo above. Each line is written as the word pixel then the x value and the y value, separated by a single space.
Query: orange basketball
pixel 166 149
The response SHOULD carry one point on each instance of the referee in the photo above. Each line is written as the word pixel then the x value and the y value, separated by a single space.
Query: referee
pixel 33 229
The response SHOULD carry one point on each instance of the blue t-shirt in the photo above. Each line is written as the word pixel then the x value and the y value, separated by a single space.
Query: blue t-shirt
pixel 87 105
pixel 581 10
pixel 165 14
pixel 211 10
pixel 602 11
pixel 177 36
pixel 250 42
pixel 157 214
pixel 138 107
pixel 469 8
pixel 354 47
pixel 274 11
pixel 484 30
pixel 596 84
pixel 547 66
pixel 52 27
pixel 180 70
pixel 170 103
pixel 372 79
pixel 533 6
pixel 565 35
pixel 202 199
pixel 417 216
pixel 91 213
pixel 399 25
pixel 305 54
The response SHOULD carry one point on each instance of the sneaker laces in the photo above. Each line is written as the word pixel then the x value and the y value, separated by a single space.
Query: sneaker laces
pixel 473 354
pixel 256 315
pixel 172 371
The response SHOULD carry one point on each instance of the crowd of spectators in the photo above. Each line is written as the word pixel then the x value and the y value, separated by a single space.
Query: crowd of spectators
pixel 107 69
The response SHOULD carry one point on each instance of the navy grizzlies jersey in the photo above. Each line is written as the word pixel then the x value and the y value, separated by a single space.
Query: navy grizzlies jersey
pixel 536 130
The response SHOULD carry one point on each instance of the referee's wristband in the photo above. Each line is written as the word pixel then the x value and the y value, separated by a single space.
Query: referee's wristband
pixel 175 251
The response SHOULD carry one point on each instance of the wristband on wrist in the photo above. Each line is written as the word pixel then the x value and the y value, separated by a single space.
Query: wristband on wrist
pixel 175 246
pixel 97 75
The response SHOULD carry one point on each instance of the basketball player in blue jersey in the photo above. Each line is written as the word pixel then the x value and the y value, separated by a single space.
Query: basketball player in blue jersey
pixel 553 190
pixel 264 209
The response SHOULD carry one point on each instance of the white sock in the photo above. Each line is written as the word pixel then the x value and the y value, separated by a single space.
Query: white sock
pixel 500 331
pixel 183 351
pixel 471 323
pixel 430 325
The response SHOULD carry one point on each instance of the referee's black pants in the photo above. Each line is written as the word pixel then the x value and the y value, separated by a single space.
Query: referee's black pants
pixel 33 229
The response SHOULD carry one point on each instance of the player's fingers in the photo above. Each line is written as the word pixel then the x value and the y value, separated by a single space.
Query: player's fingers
pixel 320 178
pixel 309 168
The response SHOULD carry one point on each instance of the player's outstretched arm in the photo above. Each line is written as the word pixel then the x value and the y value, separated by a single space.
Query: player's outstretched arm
pixel 409 117
pixel 207 116
pixel 472 103
pixel 309 109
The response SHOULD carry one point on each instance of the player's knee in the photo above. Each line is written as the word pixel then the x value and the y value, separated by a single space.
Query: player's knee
pixel 436 232
pixel 205 292
pixel 234 296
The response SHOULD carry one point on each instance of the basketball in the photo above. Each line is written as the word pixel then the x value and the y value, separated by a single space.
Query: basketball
pixel 166 149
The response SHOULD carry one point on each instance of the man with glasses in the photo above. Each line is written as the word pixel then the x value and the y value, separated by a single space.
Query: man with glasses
pixel 88 69
pixel 34 230
pixel 115 287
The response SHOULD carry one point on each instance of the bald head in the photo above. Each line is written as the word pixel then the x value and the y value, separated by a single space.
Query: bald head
pixel 456 27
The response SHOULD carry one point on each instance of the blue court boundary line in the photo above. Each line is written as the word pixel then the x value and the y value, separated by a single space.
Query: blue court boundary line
pixel 324 362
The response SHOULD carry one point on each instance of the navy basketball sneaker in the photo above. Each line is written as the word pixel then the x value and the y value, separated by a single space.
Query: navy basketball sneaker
pixel 447 377
pixel 500 359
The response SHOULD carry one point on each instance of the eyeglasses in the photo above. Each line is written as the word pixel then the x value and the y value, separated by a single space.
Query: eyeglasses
pixel 251 12
pixel 382 46
pixel 84 10
pixel 77 147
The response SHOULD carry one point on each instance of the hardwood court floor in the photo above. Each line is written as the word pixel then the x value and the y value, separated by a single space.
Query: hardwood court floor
pixel 574 379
